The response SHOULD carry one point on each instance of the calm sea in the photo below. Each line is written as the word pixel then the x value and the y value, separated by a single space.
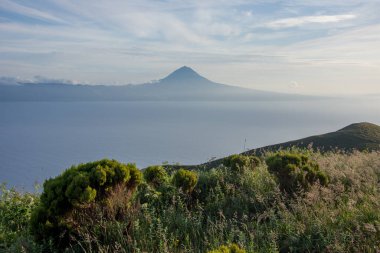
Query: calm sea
pixel 40 139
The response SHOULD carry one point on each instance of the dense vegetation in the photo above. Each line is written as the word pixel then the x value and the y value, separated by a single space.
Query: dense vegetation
pixel 290 201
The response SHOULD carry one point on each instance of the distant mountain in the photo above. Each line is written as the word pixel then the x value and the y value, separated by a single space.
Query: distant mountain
pixel 358 136
pixel 186 76
pixel 183 84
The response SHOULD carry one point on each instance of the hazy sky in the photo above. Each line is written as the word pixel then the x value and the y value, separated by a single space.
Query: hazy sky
pixel 304 46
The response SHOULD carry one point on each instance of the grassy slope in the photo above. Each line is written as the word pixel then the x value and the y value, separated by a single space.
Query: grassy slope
pixel 358 136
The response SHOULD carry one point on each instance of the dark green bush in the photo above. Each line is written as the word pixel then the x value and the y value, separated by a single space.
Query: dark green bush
pixel 231 248
pixel 295 170
pixel 155 175
pixel 77 188
pixel 238 163
pixel 185 180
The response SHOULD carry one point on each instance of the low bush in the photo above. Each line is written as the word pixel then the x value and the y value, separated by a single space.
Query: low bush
pixel 231 248
pixel 295 170
pixel 238 163
pixel 76 189
pixel 156 176
pixel 185 180
pixel 15 212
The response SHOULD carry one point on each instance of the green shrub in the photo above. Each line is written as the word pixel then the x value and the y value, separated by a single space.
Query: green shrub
pixel 155 175
pixel 230 248
pixel 295 170
pixel 238 163
pixel 15 212
pixel 77 188
pixel 185 180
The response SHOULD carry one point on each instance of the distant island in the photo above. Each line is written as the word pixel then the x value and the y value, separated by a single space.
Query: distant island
pixel 184 84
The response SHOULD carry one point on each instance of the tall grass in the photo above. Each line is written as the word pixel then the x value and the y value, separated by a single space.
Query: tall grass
pixel 246 208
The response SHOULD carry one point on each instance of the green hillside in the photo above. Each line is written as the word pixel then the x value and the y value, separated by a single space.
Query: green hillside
pixel 357 136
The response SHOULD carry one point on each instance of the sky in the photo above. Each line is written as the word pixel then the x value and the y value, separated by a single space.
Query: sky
pixel 294 46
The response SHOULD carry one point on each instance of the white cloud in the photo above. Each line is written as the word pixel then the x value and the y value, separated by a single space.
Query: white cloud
pixel 356 47
pixel 28 11
pixel 296 85
pixel 9 80
pixel 298 21
pixel 47 80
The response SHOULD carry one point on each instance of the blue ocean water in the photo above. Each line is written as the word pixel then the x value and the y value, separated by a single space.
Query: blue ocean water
pixel 40 139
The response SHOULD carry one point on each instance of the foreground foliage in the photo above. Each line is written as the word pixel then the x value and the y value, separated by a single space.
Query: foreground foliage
pixel 231 248
pixel 15 213
pixel 330 203
pixel 295 170
pixel 54 219
pixel 239 163
pixel 185 180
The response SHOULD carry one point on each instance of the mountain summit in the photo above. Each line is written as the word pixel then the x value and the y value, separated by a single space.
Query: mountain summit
pixel 184 75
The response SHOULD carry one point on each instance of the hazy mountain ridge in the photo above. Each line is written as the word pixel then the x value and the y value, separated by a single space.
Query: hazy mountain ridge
pixel 182 84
